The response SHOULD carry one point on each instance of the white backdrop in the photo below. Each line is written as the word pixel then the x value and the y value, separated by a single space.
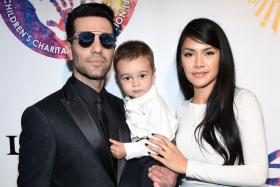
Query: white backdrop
pixel 27 76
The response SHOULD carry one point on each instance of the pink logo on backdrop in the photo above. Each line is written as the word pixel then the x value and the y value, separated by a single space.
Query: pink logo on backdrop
pixel 40 24
pixel 271 158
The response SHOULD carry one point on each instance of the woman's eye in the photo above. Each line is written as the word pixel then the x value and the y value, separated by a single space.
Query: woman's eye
pixel 188 54
pixel 210 53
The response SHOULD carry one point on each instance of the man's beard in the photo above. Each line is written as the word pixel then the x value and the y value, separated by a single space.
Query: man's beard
pixel 99 75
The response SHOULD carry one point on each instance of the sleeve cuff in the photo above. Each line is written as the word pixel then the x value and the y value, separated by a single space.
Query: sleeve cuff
pixel 136 149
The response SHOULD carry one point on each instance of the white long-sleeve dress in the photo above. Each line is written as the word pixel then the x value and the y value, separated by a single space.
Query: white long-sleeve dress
pixel 205 166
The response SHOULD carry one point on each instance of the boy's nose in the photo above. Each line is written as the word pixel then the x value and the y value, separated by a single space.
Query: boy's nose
pixel 135 82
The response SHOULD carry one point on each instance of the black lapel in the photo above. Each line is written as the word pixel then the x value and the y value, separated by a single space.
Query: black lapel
pixel 121 163
pixel 83 119
pixel 119 129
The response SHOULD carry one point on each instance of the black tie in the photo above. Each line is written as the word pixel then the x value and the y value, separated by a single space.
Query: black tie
pixel 101 117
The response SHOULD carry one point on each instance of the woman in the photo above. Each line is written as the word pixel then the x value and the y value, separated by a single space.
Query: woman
pixel 220 138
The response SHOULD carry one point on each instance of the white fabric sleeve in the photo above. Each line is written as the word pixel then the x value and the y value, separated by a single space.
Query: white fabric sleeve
pixel 255 170
pixel 136 149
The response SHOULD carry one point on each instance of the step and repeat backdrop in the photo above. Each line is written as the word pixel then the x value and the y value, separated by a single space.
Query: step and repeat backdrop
pixel 34 64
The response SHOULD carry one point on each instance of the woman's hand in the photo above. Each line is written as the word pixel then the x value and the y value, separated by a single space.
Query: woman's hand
pixel 168 154
pixel 162 176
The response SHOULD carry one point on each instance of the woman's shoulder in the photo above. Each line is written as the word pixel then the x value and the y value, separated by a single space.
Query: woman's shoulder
pixel 245 97
pixel 243 93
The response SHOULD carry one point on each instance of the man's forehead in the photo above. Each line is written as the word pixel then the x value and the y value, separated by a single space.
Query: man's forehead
pixel 93 23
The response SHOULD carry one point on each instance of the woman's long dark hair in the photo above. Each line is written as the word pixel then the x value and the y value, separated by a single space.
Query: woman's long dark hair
pixel 219 118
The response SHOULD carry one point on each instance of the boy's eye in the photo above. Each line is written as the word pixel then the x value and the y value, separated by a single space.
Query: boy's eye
pixel 142 76
pixel 126 78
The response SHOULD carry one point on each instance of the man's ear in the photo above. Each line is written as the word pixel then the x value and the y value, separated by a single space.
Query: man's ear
pixel 69 51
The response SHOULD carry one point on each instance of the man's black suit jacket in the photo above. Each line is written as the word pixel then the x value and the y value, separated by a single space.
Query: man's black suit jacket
pixel 61 146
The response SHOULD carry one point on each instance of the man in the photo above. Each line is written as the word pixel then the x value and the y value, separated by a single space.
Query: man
pixel 64 139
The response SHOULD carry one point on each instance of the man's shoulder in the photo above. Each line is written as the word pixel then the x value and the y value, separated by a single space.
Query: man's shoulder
pixel 51 100
pixel 114 98
pixel 48 105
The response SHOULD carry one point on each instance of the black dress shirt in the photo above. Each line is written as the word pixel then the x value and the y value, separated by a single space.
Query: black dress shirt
pixel 89 97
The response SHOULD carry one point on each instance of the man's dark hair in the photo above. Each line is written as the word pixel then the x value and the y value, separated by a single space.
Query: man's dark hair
pixel 86 10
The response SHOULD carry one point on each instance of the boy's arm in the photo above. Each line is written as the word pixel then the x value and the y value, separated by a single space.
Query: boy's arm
pixel 117 149
pixel 136 149
pixel 129 150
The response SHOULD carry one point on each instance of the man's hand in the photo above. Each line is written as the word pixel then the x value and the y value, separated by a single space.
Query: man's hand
pixel 162 176
pixel 117 149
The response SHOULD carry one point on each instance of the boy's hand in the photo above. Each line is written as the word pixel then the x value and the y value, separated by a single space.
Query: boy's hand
pixel 117 149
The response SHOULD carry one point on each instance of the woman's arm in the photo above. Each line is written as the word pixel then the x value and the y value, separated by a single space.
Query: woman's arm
pixel 252 173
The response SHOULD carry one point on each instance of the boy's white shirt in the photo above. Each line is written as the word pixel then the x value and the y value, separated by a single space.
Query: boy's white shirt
pixel 145 115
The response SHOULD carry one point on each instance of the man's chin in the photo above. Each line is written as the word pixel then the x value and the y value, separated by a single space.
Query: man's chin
pixel 96 77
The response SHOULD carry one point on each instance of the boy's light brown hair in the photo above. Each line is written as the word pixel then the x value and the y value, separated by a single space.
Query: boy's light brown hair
pixel 131 50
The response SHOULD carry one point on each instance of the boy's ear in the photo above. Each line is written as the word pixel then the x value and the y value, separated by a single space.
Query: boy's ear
pixel 117 79
pixel 119 84
pixel 154 75
pixel 69 51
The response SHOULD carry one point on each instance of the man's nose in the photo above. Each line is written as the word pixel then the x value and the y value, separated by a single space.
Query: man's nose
pixel 96 46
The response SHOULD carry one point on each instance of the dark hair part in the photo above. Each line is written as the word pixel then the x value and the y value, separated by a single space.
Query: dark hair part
pixel 219 116
pixel 131 50
pixel 86 10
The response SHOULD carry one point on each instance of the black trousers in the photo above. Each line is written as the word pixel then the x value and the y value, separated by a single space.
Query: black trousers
pixel 136 172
